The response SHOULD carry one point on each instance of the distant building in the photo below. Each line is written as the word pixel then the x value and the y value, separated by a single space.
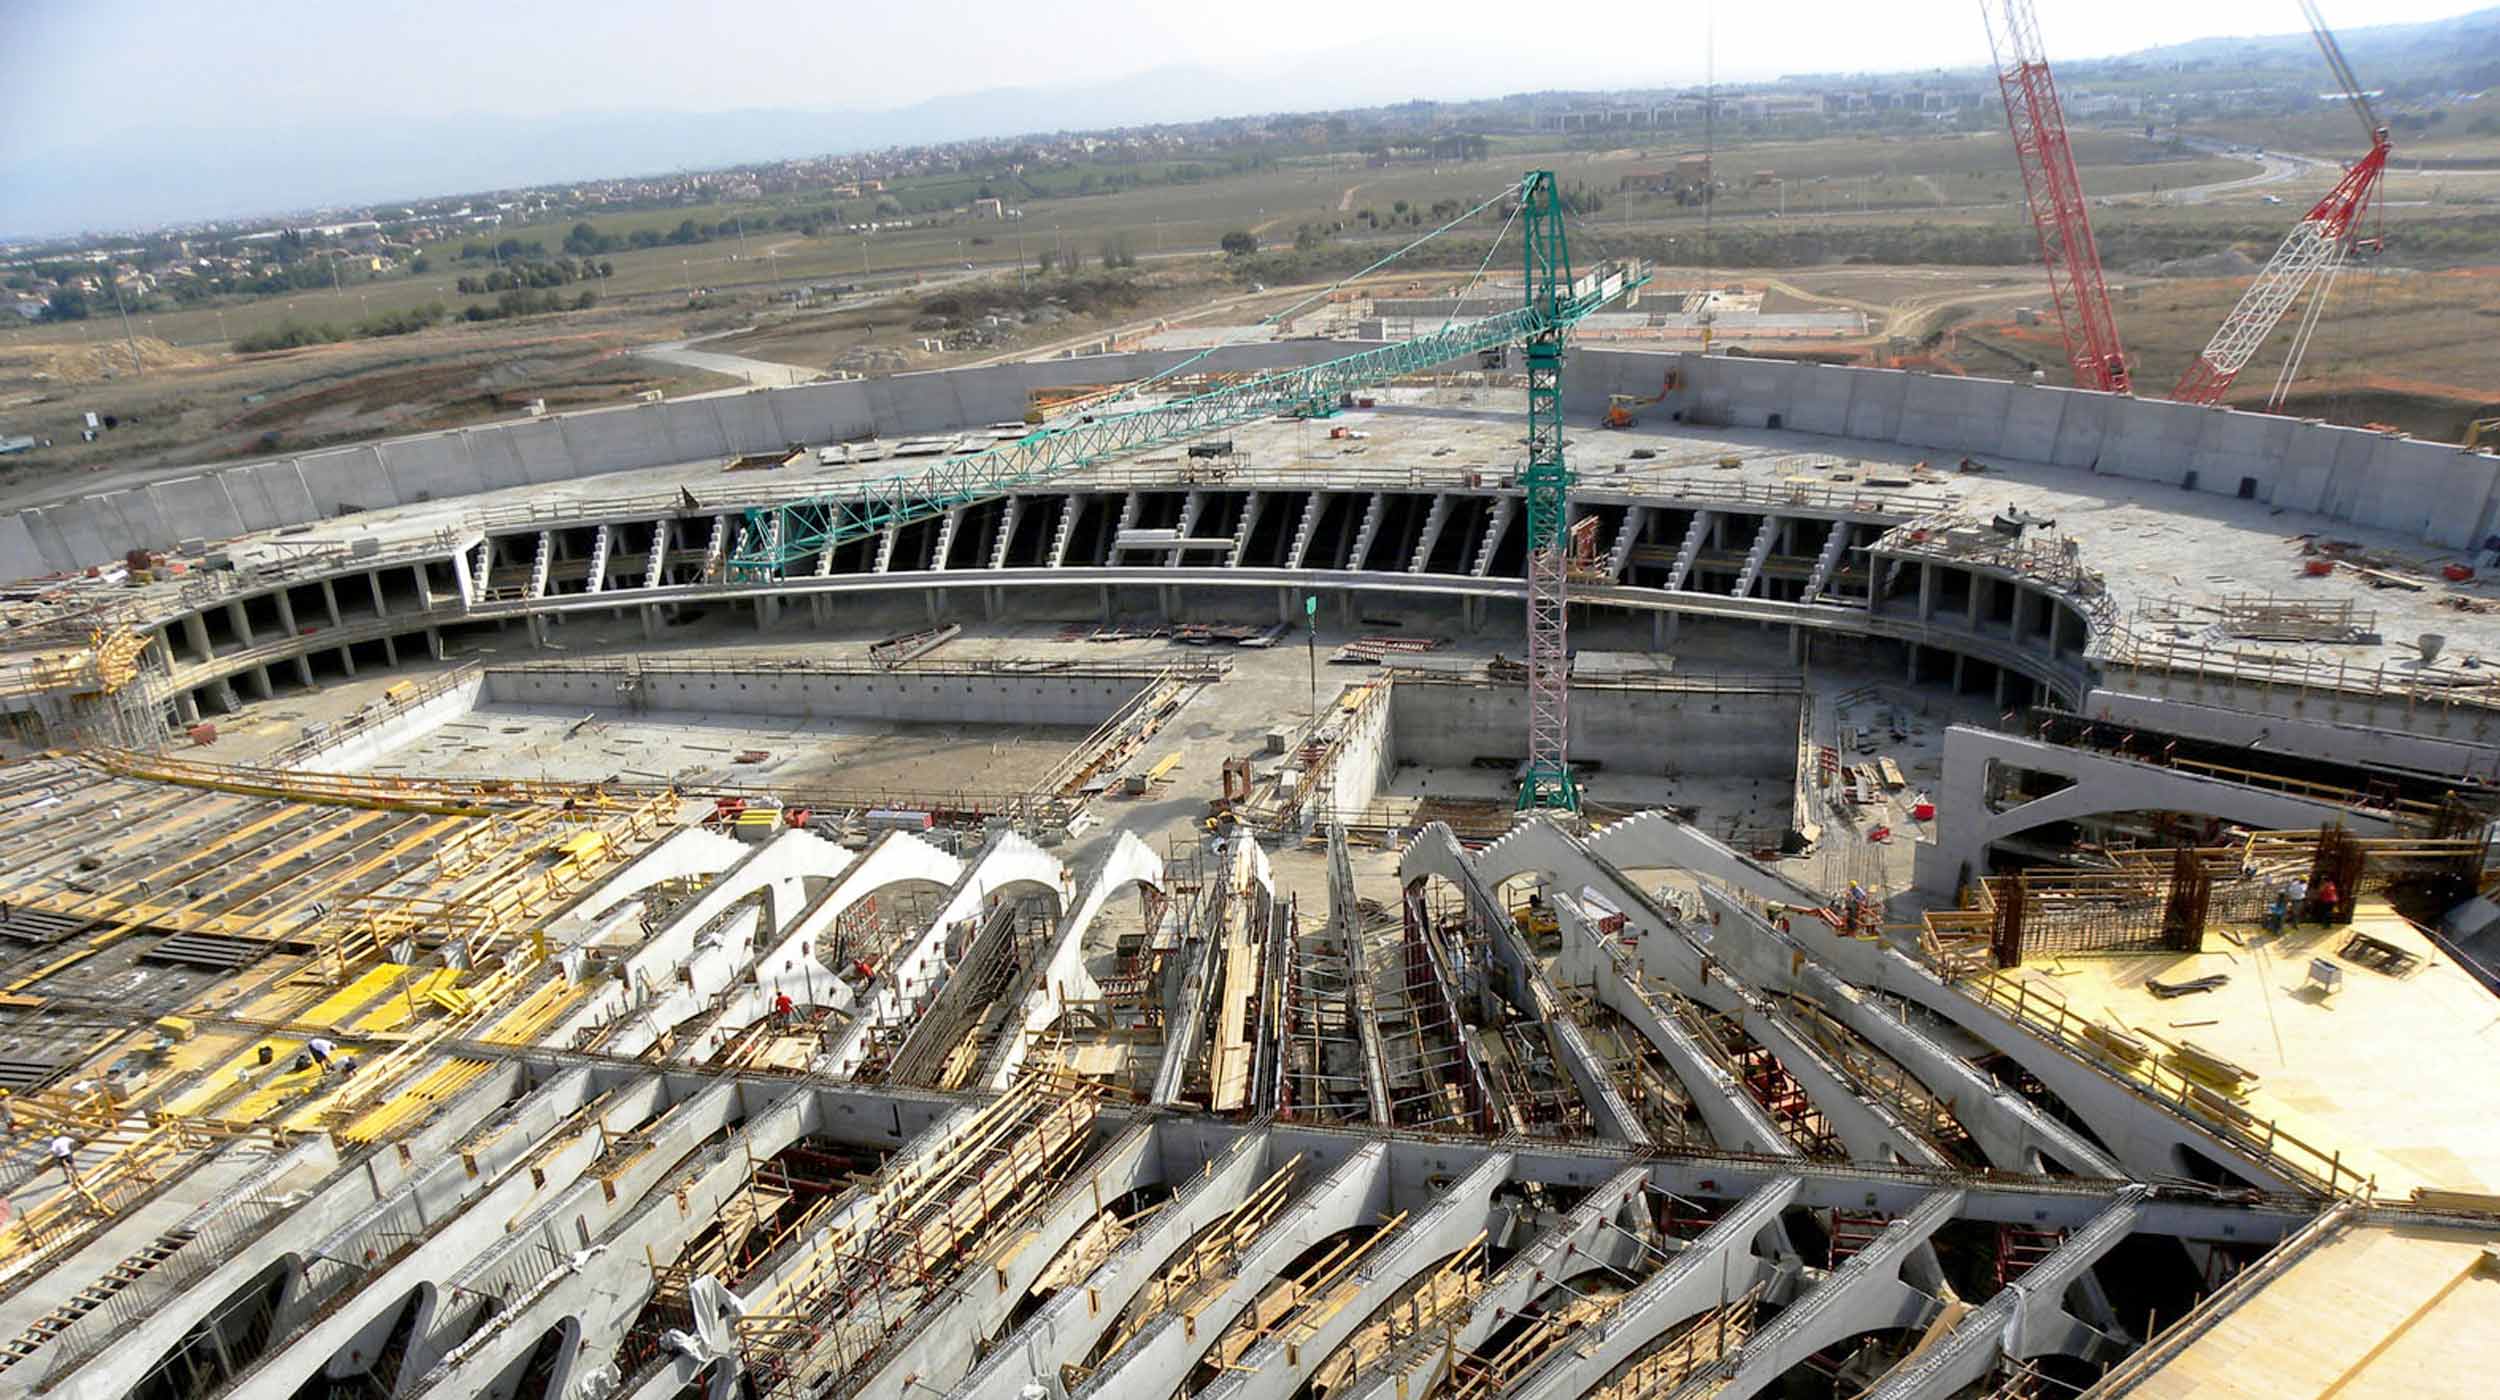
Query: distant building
pixel 988 209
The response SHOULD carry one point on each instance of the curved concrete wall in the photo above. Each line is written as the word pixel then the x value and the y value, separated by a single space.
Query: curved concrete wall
pixel 2432 490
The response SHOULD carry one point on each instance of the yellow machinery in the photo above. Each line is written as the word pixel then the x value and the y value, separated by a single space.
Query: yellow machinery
pixel 1623 410
pixel 2481 429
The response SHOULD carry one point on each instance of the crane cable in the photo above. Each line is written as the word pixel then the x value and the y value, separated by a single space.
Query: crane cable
pixel 1498 239
pixel 1131 390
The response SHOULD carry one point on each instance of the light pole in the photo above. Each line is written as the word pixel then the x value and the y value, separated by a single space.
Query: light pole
pixel 1310 648
pixel 129 337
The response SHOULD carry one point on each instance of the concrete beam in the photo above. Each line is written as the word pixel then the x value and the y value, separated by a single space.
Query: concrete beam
pixel 1157 1360
pixel 1865 1294
pixel 2025 1319
pixel 1706 1273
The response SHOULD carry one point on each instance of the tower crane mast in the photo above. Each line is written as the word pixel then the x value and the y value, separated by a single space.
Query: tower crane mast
pixel 2307 262
pixel 2054 194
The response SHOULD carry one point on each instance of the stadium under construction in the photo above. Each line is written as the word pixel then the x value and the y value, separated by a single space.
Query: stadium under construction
pixel 639 903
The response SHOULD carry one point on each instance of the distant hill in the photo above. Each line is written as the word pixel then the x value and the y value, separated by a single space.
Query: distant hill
pixel 2440 55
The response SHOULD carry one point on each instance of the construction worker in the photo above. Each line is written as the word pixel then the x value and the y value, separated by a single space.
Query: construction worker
pixel 65 1156
pixel 2329 898
pixel 782 1008
pixel 321 1050
pixel 2297 893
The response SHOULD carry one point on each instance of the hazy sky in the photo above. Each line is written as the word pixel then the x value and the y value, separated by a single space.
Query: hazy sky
pixel 122 73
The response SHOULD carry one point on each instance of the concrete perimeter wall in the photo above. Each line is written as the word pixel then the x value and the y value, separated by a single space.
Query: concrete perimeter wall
pixel 223 502
pixel 901 698
pixel 2428 491
pixel 2433 492
pixel 1688 733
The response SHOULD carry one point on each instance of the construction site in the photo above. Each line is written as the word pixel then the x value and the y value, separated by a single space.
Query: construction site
pixel 1436 865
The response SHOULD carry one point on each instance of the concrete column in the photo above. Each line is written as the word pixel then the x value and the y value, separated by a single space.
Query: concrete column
pixel 1284 605
pixel 931 596
pixel 1345 608
pixel 195 632
pixel 163 645
pixel 390 653
pixel 242 624
pixel 434 644
pixel 425 590
pixel 347 661
pixel 2001 687
pixel 536 627
pixel 330 601
pixel 767 612
pixel 1978 598
pixel 373 580
pixel 650 623
pixel 186 707
pixel 2057 624
pixel 1797 645
pixel 1960 662
pixel 1911 651
pixel 1926 590
pixel 1106 605
pixel 260 684
pixel 286 614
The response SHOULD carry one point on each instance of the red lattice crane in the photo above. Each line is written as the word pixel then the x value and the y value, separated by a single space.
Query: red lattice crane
pixel 2054 194
pixel 2312 254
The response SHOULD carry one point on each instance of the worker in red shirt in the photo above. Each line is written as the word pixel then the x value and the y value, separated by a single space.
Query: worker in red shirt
pixel 782 1007
pixel 2329 899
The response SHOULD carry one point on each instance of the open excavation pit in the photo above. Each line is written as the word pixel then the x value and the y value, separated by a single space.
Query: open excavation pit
pixel 949 741
pixel 1721 751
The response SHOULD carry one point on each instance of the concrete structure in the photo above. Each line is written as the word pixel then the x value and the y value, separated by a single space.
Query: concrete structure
pixel 650 1085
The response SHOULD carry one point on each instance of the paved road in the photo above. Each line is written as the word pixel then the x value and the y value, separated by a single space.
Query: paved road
pixel 768 373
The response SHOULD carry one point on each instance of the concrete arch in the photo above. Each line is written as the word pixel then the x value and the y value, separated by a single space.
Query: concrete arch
pixel 2099 783
pixel 1011 863
pixel 1130 864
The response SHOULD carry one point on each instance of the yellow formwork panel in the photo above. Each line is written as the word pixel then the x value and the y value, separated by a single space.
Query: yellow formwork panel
pixel 412 1104
pixel 523 1023
pixel 228 1078
pixel 281 1087
pixel 407 1001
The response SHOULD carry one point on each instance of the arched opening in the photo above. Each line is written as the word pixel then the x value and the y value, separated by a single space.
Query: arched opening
pixel 225 1343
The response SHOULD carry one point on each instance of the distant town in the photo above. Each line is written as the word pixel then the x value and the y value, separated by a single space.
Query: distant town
pixel 210 262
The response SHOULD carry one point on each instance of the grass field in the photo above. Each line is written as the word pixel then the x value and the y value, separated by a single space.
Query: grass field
pixel 2424 337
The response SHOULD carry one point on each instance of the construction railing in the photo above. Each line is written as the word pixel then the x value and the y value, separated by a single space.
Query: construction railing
pixel 2417 686
pixel 2128 1059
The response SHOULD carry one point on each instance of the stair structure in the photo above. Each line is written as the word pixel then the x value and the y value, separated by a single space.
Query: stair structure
pixel 656 565
pixel 540 563
pixel 1250 512
pixel 1690 550
pixel 1008 515
pixel 1372 515
pixel 602 543
pixel 1063 532
pixel 1312 507
pixel 1762 541
pixel 1505 509
pixel 717 550
pixel 1435 520
pixel 1627 535
pixel 1826 562
pixel 953 522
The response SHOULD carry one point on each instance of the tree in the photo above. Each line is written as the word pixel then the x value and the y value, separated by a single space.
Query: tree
pixel 1240 243
pixel 67 304
pixel 1049 258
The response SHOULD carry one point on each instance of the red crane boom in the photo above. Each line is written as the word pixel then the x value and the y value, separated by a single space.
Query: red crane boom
pixel 2054 194
pixel 2307 262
